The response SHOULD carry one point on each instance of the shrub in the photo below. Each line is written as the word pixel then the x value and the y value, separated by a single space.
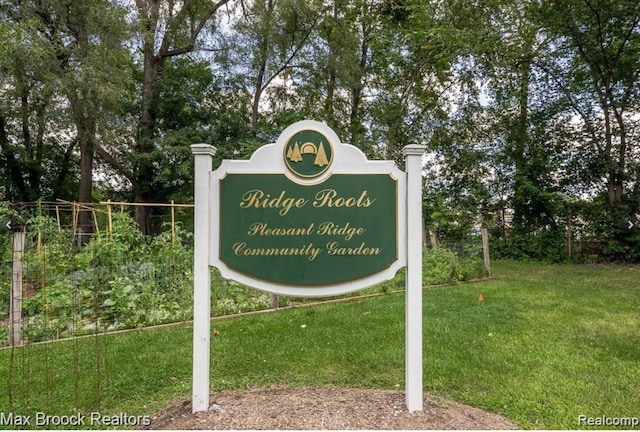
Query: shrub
pixel 440 266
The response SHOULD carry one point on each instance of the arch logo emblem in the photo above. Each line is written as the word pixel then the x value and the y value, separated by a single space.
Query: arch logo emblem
pixel 308 154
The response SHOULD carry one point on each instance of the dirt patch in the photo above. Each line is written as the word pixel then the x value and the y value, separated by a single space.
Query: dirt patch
pixel 327 408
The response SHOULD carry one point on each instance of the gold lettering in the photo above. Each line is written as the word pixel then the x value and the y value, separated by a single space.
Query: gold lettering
pixel 256 198
pixel 347 231
pixel 256 228
pixel 330 198
pixel 251 198
pixel 241 249
pixel 334 248
pixel 263 229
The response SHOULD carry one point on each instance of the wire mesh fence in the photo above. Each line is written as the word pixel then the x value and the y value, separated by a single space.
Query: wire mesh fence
pixel 116 278
pixel 68 279
pixel 5 298
pixel 459 256
pixel 87 271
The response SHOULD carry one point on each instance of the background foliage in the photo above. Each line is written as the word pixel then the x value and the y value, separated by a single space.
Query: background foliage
pixel 122 279
pixel 529 109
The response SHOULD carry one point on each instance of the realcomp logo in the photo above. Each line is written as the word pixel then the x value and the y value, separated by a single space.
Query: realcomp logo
pixel 628 422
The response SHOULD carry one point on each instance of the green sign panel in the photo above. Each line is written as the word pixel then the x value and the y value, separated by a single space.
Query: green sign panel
pixel 284 232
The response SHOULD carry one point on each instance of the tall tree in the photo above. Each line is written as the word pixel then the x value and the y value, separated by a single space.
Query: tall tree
pixel 92 78
pixel 600 44
pixel 269 39
pixel 166 29
pixel 28 94
pixel 86 39
pixel 413 63
pixel 339 71
pixel 522 109
pixel 74 51
pixel 498 145
pixel 597 68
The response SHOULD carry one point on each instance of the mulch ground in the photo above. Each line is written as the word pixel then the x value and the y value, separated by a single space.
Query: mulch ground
pixel 278 407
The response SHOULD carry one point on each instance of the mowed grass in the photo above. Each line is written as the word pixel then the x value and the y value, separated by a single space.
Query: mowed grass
pixel 547 344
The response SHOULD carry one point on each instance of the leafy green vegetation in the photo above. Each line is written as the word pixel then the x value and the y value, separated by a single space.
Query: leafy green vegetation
pixel 440 265
pixel 120 279
pixel 123 279
pixel 547 343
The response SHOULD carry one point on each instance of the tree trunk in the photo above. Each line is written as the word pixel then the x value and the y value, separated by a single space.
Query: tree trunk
pixel 18 189
pixel 622 155
pixel 612 181
pixel 331 71
pixel 31 166
pixel 264 48
pixel 355 126
pixel 145 171
pixel 519 138
pixel 86 129
pixel 255 108
pixel 176 24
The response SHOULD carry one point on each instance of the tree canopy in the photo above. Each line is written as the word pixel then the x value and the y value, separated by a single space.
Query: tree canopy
pixel 530 109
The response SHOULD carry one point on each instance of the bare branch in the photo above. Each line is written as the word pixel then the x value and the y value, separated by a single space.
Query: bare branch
pixel 115 164
pixel 165 52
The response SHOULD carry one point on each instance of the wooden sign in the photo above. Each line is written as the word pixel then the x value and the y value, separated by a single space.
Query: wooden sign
pixel 306 216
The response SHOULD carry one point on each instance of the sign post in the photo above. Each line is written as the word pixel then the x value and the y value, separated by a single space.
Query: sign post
pixel 201 276
pixel 296 209
pixel 413 280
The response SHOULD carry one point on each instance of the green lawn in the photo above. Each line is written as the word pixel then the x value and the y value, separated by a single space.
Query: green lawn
pixel 547 344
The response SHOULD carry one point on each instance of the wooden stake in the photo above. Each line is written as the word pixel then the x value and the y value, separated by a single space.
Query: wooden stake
pixel 58 219
pixel 95 221
pixel 74 225
pixel 485 250
pixel 173 224
pixel 109 220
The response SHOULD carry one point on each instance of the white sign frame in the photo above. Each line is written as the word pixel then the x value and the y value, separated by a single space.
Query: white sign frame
pixel 348 160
